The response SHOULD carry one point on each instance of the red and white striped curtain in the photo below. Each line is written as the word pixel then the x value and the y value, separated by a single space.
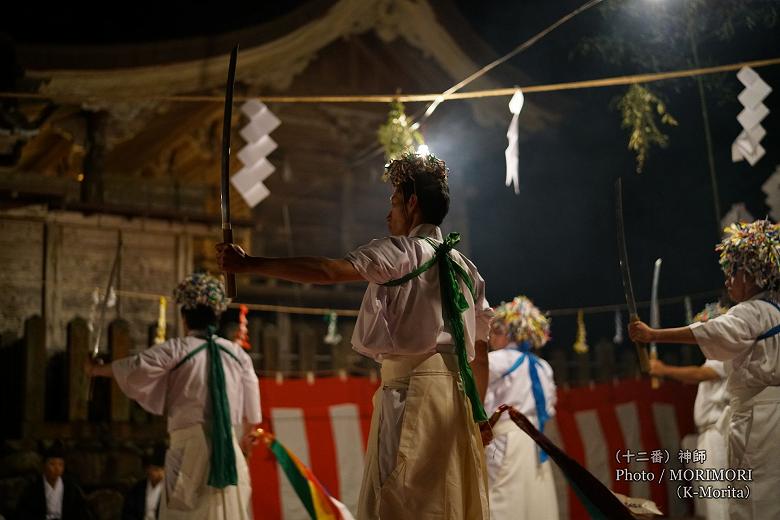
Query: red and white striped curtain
pixel 325 423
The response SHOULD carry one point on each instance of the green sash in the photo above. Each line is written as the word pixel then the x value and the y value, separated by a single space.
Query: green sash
pixel 222 470
pixel 453 303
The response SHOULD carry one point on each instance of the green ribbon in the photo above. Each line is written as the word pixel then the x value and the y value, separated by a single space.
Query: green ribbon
pixel 222 471
pixel 453 304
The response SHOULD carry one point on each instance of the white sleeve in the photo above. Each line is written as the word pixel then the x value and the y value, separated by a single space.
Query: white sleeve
pixel 144 377
pixel 550 390
pixel 716 366
pixel 383 259
pixel 252 412
pixel 497 365
pixel 729 335
pixel 482 310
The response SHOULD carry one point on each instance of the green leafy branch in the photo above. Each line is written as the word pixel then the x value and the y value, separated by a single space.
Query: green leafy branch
pixel 397 136
pixel 639 107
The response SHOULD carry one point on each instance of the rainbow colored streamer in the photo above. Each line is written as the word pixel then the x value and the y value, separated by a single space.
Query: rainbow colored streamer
pixel 315 498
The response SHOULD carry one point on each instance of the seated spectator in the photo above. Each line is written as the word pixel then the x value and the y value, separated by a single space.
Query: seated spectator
pixel 53 496
pixel 142 502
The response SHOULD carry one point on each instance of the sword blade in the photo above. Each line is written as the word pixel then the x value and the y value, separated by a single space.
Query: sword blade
pixel 227 228
pixel 104 303
pixel 655 315
pixel 226 126
pixel 628 287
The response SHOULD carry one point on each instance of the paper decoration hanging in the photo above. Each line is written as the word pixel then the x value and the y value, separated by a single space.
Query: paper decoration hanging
pixel 512 136
pixel 242 335
pixel 161 326
pixel 747 145
pixel 688 310
pixel 580 345
pixel 618 338
pixel 249 179
pixel 737 213
pixel 772 190
pixel 332 337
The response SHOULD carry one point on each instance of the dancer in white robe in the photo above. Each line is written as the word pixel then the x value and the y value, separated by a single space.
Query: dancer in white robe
pixel 425 457
pixel 208 388
pixel 746 338
pixel 520 476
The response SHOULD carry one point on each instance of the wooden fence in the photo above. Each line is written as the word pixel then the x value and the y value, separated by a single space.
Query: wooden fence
pixel 46 394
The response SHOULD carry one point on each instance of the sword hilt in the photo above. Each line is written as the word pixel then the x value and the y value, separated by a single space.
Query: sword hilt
pixel 641 350
pixel 655 382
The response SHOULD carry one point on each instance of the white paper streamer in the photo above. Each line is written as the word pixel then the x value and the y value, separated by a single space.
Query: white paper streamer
pixel 618 338
pixel 512 136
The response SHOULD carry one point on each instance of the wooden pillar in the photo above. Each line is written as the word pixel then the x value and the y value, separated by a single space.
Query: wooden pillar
pixel 629 364
pixel 605 361
pixel 255 330
pixel 560 366
pixel 284 338
pixel 34 372
pixel 347 215
pixel 92 188
pixel 270 347
pixel 341 353
pixel 78 383
pixel 184 266
pixel 52 303
pixel 119 346
pixel 307 348
pixel 582 364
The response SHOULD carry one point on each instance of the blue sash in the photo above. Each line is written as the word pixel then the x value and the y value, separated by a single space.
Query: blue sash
pixel 536 386
pixel 774 330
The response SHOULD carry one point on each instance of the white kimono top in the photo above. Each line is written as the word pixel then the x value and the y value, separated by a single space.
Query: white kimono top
pixel 406 320
pixel 711 397
pixel 753 414
pixel 732 337
pixel 515 389
pixel 183 394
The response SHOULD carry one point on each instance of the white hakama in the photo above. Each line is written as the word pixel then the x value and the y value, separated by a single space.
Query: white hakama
pixel 424 457
pixel 521 487
pixel 153 380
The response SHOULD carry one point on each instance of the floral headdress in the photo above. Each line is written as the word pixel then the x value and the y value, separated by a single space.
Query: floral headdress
pixel 410 164
pixel 201 289
pixel 524 321
pixel 755 248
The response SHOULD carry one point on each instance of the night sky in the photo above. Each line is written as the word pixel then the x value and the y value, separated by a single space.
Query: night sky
pixel 555 241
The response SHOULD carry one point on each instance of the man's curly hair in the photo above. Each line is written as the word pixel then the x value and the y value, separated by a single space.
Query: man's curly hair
pixel 426 177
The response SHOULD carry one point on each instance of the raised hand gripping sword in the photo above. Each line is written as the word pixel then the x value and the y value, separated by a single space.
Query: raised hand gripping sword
pixel 641 348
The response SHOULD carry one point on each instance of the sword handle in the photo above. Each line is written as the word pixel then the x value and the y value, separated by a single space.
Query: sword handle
pixel 641 350
pixel 230 278
pixel 655 383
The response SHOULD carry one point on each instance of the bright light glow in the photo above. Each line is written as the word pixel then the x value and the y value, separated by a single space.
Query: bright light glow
pixel 423 150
